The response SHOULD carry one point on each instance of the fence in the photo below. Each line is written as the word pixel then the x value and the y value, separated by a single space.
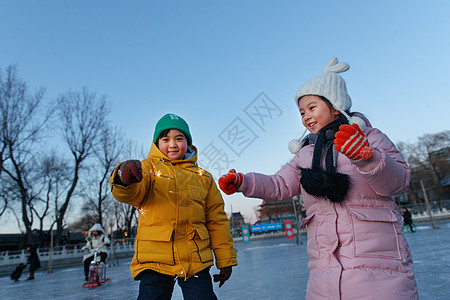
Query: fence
pixel 63 255
pixel 439 210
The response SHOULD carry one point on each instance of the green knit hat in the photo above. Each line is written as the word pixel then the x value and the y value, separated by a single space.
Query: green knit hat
pixel 172 121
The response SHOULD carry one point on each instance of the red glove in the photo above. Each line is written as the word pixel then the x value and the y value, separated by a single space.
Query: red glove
pixel 230 183
pixel 130 172
pixel 352 142
pixel 223 276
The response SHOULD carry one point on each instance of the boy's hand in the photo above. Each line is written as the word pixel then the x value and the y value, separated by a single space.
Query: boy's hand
pixel 230 183
pixel 223 276
pixel 130 172
pixel 352 142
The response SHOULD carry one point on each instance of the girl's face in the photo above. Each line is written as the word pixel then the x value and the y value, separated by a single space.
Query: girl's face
pixel 174 145
pixel 316 113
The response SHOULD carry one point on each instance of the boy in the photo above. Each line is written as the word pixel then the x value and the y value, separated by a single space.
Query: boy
pixel 181 219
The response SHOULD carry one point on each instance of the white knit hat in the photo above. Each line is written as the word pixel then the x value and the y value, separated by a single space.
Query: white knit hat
pixel 331 86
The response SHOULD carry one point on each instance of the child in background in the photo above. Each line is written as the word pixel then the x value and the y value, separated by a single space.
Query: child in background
pixel 96 239
pixel 18 272
pixel 182 218
pixel 407 219
pixel 346 172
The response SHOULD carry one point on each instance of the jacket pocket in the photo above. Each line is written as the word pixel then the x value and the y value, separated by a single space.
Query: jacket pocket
pixel 311 229
pixel 202 243
pixel 374 232
pixel 155 244
pixel 197 202
pixel 198 192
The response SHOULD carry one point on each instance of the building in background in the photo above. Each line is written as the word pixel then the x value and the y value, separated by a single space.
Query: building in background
pixel 236 222
pixel 280 211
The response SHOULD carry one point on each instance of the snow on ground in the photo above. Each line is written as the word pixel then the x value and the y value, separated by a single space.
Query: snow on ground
pixel 268 269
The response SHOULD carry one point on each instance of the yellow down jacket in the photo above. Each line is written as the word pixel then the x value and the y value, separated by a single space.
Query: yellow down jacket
pixel 181 217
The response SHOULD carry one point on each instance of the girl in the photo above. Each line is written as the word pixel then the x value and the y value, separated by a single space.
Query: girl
pixel 181 217
pixel 346 172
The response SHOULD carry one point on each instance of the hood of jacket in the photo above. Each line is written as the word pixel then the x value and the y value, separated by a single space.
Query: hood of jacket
pixel 97 227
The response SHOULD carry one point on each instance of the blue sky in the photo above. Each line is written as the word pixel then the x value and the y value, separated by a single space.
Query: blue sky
pixel 208 61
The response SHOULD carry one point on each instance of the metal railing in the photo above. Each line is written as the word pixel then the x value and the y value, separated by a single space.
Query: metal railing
pixel 439 210
pixel 61 252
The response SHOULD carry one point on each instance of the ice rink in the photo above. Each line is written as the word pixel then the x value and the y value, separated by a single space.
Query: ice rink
pixel 268 269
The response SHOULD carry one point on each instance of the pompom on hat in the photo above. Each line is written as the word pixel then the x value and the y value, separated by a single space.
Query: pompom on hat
pixel 331 86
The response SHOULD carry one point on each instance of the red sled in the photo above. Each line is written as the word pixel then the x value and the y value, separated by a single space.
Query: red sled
pixel 97 274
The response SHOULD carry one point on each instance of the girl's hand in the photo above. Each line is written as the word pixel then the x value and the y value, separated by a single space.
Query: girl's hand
pixel 230 183
pixel 352 142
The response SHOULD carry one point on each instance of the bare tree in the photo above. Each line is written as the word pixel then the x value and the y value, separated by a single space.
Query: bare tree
pixel 129 216
pixel 84 223
pixel 97 194
pixel 82 116
pixel 428 159
pixel 435 149
pixel 119 216
pixel 5 198
pixel 411 155
pixel 99 205
pixel 97 199
pixel 22 123
pixel 129 213
pixel 54 181
pixel 125 215
pixel 108 153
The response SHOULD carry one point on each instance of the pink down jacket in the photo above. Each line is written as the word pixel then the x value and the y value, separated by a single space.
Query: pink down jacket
pixel 357 250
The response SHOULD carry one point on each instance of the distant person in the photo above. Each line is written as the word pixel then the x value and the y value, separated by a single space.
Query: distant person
pixel 407 219
pixel 33 261
pixel 347 172
pixel 18 271
pixel 96 239
pixel 182 220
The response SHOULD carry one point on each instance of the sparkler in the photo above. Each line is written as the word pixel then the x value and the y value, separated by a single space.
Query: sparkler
pixel 157 174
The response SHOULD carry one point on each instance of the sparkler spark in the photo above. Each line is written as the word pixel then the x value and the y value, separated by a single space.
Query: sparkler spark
pixel 157 174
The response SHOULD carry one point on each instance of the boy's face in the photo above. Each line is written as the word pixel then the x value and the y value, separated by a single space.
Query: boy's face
pixel 174 145
pixel 316 113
